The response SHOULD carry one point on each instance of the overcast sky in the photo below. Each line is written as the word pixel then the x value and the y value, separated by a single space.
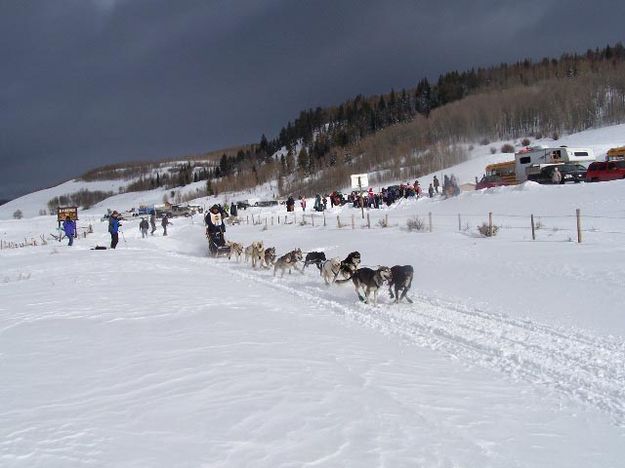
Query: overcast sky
pixel 90 82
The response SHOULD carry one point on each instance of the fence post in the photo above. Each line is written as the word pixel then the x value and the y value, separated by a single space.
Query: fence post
pixel 459 222
pixel 284 219
pixel 353 223
pixel 490 224
pixel 368 221
pixel 430 221
pixel 338 221
pixel 386 219
pixel 265 223
pixel 324 219
pixel 272 220
pixel 533 229
pixel 247 219
pixel 312 220
pixel 579 225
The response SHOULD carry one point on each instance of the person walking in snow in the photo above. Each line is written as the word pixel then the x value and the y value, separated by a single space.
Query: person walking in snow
pixel 143 227
pixel 290 204
pixel 153 222
pixel 165 222
pixel 436 184
pixel 114 226
pixel 302 202
pixel 69 227
pixel 431 191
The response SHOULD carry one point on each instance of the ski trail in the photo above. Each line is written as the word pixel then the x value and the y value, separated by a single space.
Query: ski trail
pixel 572 362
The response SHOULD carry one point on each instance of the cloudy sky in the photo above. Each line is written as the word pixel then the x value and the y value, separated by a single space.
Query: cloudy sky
pixel 90 82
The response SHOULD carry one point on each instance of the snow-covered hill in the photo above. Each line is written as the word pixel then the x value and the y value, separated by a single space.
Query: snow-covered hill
pixel 512 354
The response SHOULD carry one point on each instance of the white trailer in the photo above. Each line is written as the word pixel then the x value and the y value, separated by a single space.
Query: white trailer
pixel 540 155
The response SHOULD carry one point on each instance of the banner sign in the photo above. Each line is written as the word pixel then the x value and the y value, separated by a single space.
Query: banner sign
pixel 360 180
pixel 64 212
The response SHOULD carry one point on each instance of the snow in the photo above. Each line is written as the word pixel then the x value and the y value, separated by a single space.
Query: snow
pixel 512 354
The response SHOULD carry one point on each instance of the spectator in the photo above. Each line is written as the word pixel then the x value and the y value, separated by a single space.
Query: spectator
pixel 143 227
pixel 290 203
pixel 431 191
pixel 114 226
pixel 69 227
pixel 436 184
pixel 165 222
pixel 233 210
pixel 318 206
pixel 302 202
pixel 417 189
pixel 153 222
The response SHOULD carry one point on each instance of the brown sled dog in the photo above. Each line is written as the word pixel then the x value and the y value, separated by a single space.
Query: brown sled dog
pixel 288 261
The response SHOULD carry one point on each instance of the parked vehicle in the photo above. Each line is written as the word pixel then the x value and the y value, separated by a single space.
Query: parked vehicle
pixel 606 170
pixel 539 155
pixel 543 174
pixel 616 154
pixel 266 203
pixel 497 174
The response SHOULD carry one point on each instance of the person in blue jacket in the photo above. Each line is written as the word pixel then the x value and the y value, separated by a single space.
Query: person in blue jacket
pixel 69 227
pixel 114 226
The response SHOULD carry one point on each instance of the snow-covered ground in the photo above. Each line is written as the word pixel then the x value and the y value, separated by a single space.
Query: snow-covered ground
pixel 512 354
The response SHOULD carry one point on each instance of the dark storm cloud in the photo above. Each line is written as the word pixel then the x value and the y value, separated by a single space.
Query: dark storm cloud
pixel 88 82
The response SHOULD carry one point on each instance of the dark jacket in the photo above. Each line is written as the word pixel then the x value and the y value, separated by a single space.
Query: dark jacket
pixel 215 222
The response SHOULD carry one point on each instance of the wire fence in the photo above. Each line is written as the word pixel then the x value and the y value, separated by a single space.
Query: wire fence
pixel 43 239
pixel 486 224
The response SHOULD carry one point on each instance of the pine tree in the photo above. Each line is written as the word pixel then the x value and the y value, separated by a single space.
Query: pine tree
pixel 303 162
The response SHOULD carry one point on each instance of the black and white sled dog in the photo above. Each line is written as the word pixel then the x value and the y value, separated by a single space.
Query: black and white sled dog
pixel 316 258
pixel 368 280
pixel 349 265
pixel 400 281
pixel 288 261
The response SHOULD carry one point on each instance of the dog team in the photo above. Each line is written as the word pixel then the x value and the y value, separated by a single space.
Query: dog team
pixel 366 281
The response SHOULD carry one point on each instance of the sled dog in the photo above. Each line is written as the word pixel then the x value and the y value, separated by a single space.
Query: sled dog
pixel 349 265
pixel 316 258
pixel 288 261
pixel 270 256
pixel 330 269
pixel 368 281
pixel 236 250
pixel 400 281
pixel 255 252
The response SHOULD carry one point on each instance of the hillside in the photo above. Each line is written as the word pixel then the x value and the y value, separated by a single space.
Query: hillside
pixel 512 353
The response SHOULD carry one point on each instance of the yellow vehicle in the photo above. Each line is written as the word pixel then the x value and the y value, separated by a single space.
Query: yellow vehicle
pixel 498 174
pixel 616 154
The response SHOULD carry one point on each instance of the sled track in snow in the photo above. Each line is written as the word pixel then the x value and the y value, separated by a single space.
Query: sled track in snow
pixel 582 366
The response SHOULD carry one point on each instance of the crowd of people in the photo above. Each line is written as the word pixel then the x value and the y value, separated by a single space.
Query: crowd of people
pixel 386 196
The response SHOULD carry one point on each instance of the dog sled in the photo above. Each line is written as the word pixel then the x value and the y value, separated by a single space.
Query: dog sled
pixel 217 244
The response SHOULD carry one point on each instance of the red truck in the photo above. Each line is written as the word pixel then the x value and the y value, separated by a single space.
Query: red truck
pixel 605 170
